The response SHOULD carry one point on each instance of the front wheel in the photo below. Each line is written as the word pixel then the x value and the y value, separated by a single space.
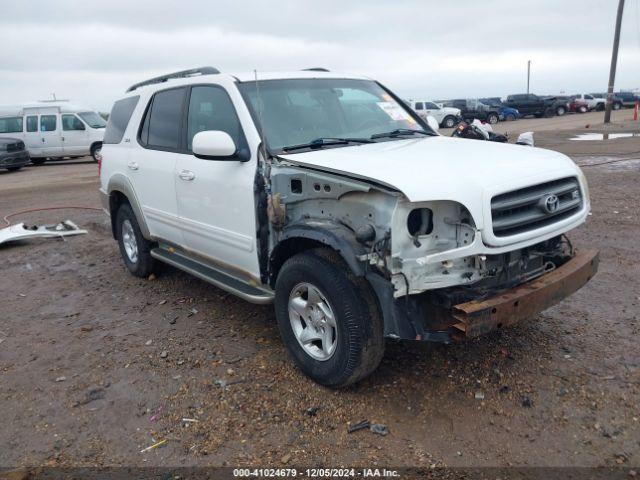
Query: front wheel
pixel 493 118
pixel 560 111
pixel 509 117
pixel 328 319
pixel 617 106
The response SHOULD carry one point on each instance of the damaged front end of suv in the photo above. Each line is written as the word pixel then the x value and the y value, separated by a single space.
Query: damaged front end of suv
pixel 435 276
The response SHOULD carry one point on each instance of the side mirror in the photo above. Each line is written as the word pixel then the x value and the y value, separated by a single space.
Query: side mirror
pixel 213 145
pixel 433 123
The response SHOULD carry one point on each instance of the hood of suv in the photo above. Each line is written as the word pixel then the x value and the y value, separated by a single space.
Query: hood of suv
pixel 443 168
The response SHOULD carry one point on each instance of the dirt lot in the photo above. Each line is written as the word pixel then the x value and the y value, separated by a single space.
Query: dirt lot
pixel 96 365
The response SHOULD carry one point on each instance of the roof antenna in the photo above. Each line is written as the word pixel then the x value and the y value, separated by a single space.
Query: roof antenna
pixel 262 138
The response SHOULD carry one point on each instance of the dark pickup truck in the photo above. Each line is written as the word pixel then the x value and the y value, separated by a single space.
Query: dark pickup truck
pixel 471 108
pixel 530 104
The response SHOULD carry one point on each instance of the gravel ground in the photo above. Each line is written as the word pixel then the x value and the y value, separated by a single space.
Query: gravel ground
pixel 96 365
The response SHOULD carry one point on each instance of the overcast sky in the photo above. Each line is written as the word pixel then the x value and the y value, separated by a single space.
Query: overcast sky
pixel 90 52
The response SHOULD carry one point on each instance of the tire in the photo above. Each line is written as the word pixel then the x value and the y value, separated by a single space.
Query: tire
pixel 600 107
pixel 493 118
pixel 354 345
pixel 616 105
pixel 583 109
pixel 134 248
pixel 448 122
pixel 95 151
pixel 549 112
pixel 13 169
pixel 509 117
pixel 38 161
pixel 560 111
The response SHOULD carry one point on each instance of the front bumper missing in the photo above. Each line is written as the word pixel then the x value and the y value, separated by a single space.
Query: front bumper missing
pixel 523 302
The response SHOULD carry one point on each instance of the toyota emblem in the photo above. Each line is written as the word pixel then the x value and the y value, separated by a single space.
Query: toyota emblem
pixel 551 203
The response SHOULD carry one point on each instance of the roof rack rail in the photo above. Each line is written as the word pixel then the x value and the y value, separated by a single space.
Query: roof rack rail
pixel 315 69
pixel 182 74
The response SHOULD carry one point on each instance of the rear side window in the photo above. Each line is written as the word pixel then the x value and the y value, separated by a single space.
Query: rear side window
pixel 419 106
pixel 11 125
pixel 119 119
pixel 163 120
pixel 48 123
pixel 32 123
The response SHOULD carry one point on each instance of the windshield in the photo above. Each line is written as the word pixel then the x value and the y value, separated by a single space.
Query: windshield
pixel 297 112
pixel 93 119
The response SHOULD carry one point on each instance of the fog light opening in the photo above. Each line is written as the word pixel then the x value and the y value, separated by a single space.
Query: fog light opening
pixel 420 222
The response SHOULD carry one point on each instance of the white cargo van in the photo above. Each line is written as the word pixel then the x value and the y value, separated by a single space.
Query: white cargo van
pixel 54 129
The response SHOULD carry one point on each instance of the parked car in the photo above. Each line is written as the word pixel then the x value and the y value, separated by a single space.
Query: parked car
pixel 530 104
pixel 577 105
pixel 628 99
pixel 13 155
pixel 593 103
pixel 446 117
pixel 472 108
pixel 602 101
pixel 54 129
pixel 328 196
pixel 506 113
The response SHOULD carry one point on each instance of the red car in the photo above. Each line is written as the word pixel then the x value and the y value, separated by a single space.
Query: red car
pixel 578 106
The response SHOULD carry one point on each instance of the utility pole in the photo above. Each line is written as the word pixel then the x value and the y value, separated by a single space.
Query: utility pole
pixel 528 74
pixel 614 63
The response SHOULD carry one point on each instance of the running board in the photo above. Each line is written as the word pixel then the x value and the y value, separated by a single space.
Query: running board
pixel 214 276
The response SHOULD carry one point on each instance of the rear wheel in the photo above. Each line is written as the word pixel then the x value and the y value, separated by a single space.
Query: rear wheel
pixel 560 111
pixel 134 248
pixel 616 105
pixel 328 319
pixel 509 117
pixel 493 118
pixel 95 151
pixel 583 109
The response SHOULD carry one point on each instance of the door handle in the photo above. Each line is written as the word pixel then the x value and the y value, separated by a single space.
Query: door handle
pixel 132 166
pixel 187 175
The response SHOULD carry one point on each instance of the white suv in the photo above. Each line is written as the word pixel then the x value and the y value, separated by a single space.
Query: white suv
pixel 325 194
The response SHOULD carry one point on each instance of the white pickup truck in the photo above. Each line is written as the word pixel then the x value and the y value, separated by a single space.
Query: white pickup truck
pixel 447 117
pixel 326 195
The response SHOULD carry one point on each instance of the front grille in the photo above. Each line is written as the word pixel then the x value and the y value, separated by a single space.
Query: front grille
pixel 535 207
pixel 15 147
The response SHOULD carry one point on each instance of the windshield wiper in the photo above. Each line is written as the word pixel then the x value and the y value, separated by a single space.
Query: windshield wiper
pixel 326 141
pixel 400 131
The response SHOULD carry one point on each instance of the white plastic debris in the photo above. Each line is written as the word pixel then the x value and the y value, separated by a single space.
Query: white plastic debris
pixel 525 138
pixel 20 231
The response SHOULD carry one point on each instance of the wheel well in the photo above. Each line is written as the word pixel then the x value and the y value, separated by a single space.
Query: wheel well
pixel 287 249
pixel 94 145
pixel 116 199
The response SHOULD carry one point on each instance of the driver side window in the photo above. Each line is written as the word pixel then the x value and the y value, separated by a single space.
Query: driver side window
pixel 210 108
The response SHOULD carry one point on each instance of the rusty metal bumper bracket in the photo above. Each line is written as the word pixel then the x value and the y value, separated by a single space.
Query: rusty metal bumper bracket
pixel 476 318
